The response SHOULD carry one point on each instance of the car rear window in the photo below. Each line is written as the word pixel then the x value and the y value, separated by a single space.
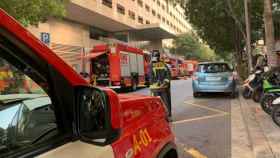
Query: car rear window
pixel 213 68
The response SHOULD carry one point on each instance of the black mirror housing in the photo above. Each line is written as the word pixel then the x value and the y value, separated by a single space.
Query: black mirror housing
pixel 94 117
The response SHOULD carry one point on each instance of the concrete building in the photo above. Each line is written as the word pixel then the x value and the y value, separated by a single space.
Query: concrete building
pixel 140 23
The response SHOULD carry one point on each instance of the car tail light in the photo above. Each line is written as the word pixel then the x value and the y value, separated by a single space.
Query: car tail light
pixel 232 77
pixel 194 77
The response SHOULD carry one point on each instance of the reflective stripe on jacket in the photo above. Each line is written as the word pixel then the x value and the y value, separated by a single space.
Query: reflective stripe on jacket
pixel 160 74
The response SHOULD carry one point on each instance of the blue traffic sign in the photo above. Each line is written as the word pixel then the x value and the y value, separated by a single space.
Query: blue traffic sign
pixel 45 38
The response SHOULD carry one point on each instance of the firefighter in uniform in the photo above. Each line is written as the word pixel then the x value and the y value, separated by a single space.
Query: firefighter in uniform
pixel 160 80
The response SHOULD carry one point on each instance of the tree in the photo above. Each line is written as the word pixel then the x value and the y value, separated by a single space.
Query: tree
pixel 269 33
pixel 188 45
pixel 221 24
pixel 31 12
pixel 247 4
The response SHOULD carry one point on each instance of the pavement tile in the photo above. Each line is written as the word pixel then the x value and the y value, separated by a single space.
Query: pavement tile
pixel 270 130
pixel 240 147
pixel 260 144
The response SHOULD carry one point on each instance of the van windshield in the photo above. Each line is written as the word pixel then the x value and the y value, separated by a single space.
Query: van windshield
pixel 213 68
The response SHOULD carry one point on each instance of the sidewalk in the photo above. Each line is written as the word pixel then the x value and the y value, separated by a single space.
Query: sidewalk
pixel 254 135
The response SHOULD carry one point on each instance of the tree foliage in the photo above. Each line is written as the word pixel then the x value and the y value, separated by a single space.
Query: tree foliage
pixel 189 46
pixel 31 12
pixel 221 22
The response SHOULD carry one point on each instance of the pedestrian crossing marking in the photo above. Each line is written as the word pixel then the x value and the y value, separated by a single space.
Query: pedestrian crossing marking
pixel 198 118
pixel 193 152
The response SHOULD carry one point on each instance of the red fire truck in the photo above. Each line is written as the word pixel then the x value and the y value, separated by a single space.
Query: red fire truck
pixel 117 66
pixel 190 66
pixel 182 68
pixel 72 118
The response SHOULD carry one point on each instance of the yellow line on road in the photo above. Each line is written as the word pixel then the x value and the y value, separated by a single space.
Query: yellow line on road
pixel 194 153
pixel 205 107
pixel 198 118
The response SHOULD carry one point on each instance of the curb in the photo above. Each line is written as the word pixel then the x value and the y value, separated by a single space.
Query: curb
pixel 257 139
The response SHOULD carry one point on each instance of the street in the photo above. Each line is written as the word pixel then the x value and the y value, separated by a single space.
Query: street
pixel 202 126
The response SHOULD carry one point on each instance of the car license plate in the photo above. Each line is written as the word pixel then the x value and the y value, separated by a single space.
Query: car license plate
pixel 213 78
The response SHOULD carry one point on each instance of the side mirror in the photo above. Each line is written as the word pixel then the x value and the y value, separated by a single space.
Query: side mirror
pixel 99 116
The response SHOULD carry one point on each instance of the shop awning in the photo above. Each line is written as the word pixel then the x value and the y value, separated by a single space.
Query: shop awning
pixel 94 55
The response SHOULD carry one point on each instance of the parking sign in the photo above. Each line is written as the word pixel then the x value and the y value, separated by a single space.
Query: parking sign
pixel 45 38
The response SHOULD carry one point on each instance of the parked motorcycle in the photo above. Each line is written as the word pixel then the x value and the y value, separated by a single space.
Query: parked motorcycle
pixel 271 90
pixel 253 81
pixel 275 113
pixel 267 99
pixel 258 91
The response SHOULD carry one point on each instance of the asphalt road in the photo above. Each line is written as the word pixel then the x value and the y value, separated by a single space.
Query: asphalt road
pixel 202 125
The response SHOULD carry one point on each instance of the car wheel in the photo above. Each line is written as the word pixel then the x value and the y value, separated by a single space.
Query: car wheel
pixel 195 94
pixel 233 95
pixel 276 115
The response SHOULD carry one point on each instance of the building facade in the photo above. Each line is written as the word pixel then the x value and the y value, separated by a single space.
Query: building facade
pixel 147 24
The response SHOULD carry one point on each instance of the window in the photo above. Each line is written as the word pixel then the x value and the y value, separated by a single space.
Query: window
pixel 97 33
pixel 131 15
pixel 107 3
pixel 140 3
pixel 213 68
pixel 120 9
pixel 154 12
pixel 163 19
pixel 140 19
pixel 147 8
pixel 158 2
pixel 148 22
pixel 159 17
pixel 163 7
pixel 26 111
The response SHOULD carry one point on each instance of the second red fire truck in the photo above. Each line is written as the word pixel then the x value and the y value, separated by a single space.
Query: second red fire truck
pixel 117 66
